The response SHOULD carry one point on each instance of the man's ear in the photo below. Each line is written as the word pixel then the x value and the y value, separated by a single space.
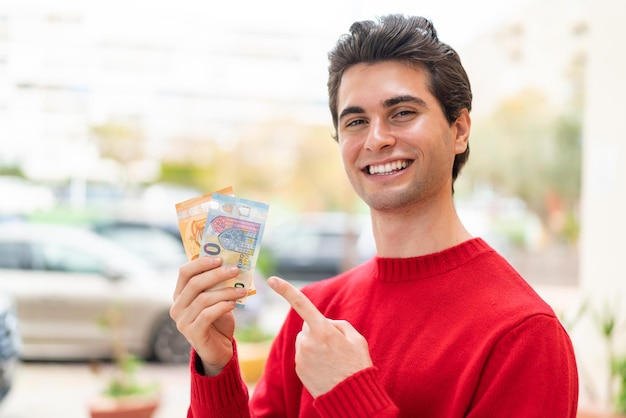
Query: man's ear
pixel 462 125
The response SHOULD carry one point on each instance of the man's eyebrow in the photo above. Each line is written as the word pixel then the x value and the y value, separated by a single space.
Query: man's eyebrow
pixel 350 110
pixel 403 99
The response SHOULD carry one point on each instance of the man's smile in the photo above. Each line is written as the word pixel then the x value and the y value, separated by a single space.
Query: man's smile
pixel 388 168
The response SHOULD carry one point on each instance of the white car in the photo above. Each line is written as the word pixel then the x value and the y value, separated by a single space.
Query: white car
pixel 66 280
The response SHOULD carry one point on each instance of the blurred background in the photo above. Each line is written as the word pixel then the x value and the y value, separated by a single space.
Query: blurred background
pixel 113 112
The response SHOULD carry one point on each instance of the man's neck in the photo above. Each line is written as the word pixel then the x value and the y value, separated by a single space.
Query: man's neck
pixel 418 231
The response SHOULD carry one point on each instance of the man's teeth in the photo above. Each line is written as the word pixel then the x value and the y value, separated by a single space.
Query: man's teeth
pixel 388 168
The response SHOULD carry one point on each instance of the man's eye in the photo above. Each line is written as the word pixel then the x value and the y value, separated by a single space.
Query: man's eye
pixel 404 113
pixel 355 122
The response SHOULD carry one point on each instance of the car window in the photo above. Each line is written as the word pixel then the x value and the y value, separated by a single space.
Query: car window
pixel 62 258
pixel 143 241
pixel 297 243
pixel 13 255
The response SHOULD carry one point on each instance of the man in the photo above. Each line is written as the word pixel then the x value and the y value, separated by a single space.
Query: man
pixel 437 324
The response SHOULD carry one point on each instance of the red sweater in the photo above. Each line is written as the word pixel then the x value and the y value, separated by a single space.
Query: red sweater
pixel 453 334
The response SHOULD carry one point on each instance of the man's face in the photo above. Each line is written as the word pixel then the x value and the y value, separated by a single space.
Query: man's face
pixel 396 144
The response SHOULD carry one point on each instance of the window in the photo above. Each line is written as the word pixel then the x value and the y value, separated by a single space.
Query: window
pixel 62 258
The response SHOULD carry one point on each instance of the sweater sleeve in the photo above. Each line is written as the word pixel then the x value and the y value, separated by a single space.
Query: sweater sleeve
pixel 221 396
pixel 280 392
pixel 531 373
pixel 360 395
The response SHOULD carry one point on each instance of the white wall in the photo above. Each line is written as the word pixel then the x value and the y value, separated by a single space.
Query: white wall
pixel 603 233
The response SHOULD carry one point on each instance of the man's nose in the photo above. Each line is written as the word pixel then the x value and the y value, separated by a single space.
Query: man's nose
pixel 379 135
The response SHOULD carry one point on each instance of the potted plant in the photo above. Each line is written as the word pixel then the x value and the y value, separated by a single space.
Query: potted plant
pixel 606 322
pixel 124 395
pixel 253 346
pixel 619 373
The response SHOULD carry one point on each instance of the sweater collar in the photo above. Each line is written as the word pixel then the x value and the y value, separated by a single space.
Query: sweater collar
pixel 414 268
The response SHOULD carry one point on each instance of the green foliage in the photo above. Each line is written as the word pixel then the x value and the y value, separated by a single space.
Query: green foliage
pixel 619 372
pixel 252 333
pixel 124 381
pixel 265 262
pixel 571 227
pixel 607 322
pixel 566 171
pixel 190 174
pixel 11 171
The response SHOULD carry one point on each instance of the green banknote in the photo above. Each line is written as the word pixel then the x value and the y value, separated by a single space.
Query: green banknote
pixel 233 231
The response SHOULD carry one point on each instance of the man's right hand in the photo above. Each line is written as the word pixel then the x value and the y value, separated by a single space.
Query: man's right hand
pixel 205 317
pixel 327 351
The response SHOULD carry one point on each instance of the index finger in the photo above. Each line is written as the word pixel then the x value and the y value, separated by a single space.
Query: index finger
pixel 298 301
pixel 192 268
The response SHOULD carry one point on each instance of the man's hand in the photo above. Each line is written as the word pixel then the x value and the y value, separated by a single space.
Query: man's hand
pixel 327 351
pixel 205 317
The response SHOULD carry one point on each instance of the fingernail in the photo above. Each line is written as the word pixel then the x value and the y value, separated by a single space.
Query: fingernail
pixel 232 269
pixel 241 291
pixel 272 282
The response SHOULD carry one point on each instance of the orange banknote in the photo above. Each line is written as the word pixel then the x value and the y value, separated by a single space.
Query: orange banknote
pixel 192 216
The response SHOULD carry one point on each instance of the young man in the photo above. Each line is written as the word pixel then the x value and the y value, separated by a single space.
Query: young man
pixel 437 324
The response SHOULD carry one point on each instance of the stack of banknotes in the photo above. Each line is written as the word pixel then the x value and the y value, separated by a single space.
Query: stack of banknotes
pixel 220 224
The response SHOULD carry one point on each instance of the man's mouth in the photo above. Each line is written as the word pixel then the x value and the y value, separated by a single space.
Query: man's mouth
pixel 388 168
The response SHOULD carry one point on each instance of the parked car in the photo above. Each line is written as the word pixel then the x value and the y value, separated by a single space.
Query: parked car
pixel 10 344
pixel 159 243
pixel 65 280
pixel 312 246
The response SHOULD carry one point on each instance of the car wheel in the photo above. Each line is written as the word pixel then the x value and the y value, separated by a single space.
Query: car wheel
pixel 168 344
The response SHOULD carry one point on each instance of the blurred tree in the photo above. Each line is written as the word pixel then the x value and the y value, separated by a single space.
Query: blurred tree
pixel 297 165
pixel 11 171
pixel 528 149
pixel 121 141
pixel 319 173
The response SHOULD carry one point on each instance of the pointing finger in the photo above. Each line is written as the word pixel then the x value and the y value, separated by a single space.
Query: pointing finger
pixel 298 301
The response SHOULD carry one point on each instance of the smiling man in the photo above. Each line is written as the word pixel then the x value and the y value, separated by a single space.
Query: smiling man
pixel 437 324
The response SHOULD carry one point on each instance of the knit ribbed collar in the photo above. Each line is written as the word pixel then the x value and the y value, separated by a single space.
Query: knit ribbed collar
pixel 415 268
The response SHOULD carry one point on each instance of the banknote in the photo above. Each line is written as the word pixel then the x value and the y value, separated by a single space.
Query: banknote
pixel 233 231
pixel 192 216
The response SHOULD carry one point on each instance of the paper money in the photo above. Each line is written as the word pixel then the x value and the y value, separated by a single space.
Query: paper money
pixel 233 231
pixel 192 216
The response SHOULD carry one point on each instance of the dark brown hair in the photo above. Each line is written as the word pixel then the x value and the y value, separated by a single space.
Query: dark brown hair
pixel 412 40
